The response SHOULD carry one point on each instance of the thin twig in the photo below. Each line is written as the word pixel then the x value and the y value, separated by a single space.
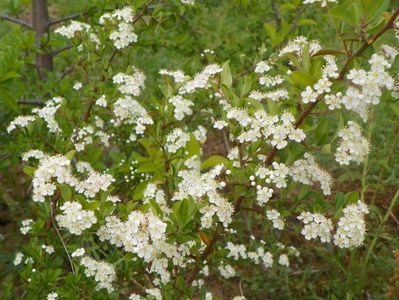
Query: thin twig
pixel 141 13
pixel 276 12
pixel 16 21
pixel 62 49
pixel 31 102
pixel 62 240
pixel 63 19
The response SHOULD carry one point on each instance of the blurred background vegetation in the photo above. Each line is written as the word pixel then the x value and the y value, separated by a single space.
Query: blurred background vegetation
pixel 173 36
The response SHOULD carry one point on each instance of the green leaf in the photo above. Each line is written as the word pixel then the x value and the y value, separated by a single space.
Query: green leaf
pixel 214 161
pixel 91 205
pixel 70 154
pixel 352 197
pixel 301 79
pixel 226 78
pixel 29 170
pixel 341 13
pixel 193 147
pixel 66 191
pixel 374 8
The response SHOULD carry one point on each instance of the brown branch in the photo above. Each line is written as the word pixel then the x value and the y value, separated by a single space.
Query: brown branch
pixel 389 25
pixel 62 49
pixel 141 13
pixel 16 21
pixel 31 102
pixel 65 18
pixel 276 12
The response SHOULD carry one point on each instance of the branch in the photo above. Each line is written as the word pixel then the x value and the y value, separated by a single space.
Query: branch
pixel 389 25
pixel 141 13
pixel 65 18
pixel 276 13
pixel 31 102
pixel 16 20
pixel 62 49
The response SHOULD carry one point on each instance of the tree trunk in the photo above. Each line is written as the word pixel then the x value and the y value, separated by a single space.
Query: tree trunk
pixel 40 24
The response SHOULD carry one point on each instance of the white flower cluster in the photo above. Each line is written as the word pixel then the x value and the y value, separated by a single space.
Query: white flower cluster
pixel 130 84
pixel 237 251
pixel 48 249
pixel 351 226
pixel 129 111
pixel 271 128
pixel 18 258
pixel 123 18
pixel 283 260
pixel 85 136
pixel 21 121
pixel 57 169
pixel 52 296
pixel 198 186
pixel 47 113
pixel 296 46
pixel 275 95
pixel 182 107
pixel 72 29
pixel 274 216
pixel 178 76
pixel 323 85
pixel 316 225
pixel 277 175
pixel 190 2
pixel 353 147
pixel 226 271
pixel 74 218
pixel 322 2
pixel 26 226
pixel 102 101
pixel 367 85
pixel 263 194
pixel 176 140
pixel 200 80
pixel 144 235
pixel 268 81
pixel 103 272
pixel 78 252
pixel 306 171
pixel 153 192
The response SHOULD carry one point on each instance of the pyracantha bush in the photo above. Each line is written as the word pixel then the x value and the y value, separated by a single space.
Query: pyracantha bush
pixel 129 205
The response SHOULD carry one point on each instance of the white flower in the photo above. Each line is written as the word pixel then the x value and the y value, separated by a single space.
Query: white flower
pixel 74 218
pixel 353 146
pixel 182 107
pixel 316 225
pixel 103 273
pixel 48 249
pixel 18 258
pixel 351 226
pixel 52 296
pixel 26 226
pixel 21 121
pixel 307 171
pixel 102 101
pixel 283 260
pixel 262 67
pixel 77 85
pixel 78 252
pixel 176 140
pixel 226 271
pixel 274 216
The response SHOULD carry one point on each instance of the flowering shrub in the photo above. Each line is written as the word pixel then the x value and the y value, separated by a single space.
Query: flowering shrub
pixel 128 204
